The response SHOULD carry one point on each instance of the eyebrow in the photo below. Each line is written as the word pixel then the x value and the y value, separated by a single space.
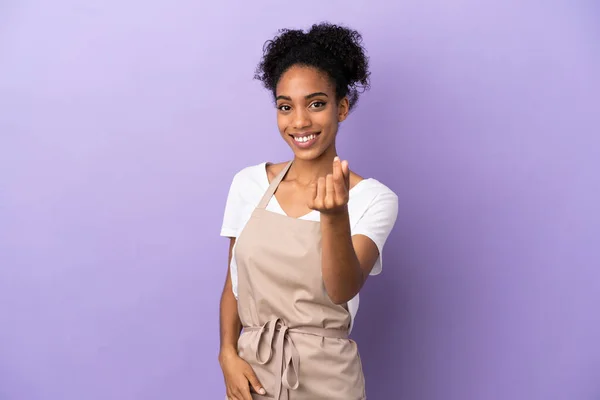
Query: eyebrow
pixel 309 96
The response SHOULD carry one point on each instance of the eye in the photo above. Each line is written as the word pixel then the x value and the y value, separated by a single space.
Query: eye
pixel 318 104
pixel 284 107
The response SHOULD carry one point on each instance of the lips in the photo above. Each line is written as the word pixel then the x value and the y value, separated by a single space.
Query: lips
pixel 305 140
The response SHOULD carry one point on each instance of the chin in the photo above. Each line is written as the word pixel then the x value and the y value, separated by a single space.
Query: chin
pixel 307 155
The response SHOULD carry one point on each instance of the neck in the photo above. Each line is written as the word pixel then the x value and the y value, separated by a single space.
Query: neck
pixel 305 172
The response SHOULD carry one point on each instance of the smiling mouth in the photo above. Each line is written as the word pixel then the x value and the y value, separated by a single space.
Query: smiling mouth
pixel 305 138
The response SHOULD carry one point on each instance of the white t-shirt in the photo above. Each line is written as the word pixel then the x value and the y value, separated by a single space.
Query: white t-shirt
pixel 372 208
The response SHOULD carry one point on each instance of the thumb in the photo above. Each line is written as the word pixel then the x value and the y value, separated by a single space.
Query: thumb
pixel 251 376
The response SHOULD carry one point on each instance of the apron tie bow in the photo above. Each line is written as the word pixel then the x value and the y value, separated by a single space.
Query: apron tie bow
pixel 287 358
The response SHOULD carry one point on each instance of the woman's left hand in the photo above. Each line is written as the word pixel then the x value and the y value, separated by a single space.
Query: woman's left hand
pixel 331 193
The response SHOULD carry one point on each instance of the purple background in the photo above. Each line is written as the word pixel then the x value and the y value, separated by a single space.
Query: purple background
pixel 123 122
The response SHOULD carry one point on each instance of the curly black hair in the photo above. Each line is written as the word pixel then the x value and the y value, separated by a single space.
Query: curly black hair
pixel 333 49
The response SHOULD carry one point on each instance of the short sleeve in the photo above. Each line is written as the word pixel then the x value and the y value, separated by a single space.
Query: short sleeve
pixel 245 191
pixel 234 209
pixel 377 222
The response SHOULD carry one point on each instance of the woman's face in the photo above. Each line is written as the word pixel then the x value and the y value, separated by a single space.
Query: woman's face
pixel 308 113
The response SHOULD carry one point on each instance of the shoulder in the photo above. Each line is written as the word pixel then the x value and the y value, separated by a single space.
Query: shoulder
pixel 370 191
pixel 249 183
pixel 246 189
pixel 249 178
pixel 373 207
pixel 251 173
pixel 374 210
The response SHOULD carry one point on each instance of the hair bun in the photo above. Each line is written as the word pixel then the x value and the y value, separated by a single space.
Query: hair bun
pixel 334 49
pixel 345 45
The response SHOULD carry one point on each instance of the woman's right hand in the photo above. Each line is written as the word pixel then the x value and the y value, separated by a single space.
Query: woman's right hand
pixel 239 376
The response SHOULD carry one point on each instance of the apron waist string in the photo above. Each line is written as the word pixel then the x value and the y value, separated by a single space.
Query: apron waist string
pixel 287 359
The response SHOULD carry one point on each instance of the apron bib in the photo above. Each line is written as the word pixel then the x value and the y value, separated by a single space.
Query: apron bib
pixel 294 337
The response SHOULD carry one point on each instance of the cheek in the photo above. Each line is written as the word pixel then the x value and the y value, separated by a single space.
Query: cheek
pixel 281 123
pixel 328 119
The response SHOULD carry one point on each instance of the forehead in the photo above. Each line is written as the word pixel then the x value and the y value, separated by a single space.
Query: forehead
pixel 300 81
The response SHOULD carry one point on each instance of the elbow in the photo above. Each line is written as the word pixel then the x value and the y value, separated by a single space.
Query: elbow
pixel 342 289
pixel 342 295
pixel 342 298
pixel 338 301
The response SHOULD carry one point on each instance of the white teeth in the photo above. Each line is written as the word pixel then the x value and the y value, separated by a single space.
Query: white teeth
pixel 304 138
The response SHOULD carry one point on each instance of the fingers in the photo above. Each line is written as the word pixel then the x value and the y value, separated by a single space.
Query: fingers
pixel 239 393
pixel 254 382
pixel 345 168
pixel 342 168
pixel 246 393
pixel 339 181
pixel 337 169
pixel 331 193
pixel 319 192
pixel 238 388
pixel 239 375
pixel 330 197
pixel 346 172
pixel 232 394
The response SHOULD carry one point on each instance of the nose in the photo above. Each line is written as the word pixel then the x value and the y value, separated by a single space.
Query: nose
pixel 301 119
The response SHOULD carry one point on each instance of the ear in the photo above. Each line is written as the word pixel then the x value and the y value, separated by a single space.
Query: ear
pixel 343 109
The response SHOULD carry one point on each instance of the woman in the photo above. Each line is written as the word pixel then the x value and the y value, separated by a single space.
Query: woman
pixel 305 234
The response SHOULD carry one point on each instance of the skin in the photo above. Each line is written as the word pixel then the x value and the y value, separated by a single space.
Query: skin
pixel 317 180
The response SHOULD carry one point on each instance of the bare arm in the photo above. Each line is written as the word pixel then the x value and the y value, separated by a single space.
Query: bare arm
pixel 230 325
pixel 346 260
pixel 238 374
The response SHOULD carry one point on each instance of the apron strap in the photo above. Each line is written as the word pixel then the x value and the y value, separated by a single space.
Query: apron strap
pixel 273 186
